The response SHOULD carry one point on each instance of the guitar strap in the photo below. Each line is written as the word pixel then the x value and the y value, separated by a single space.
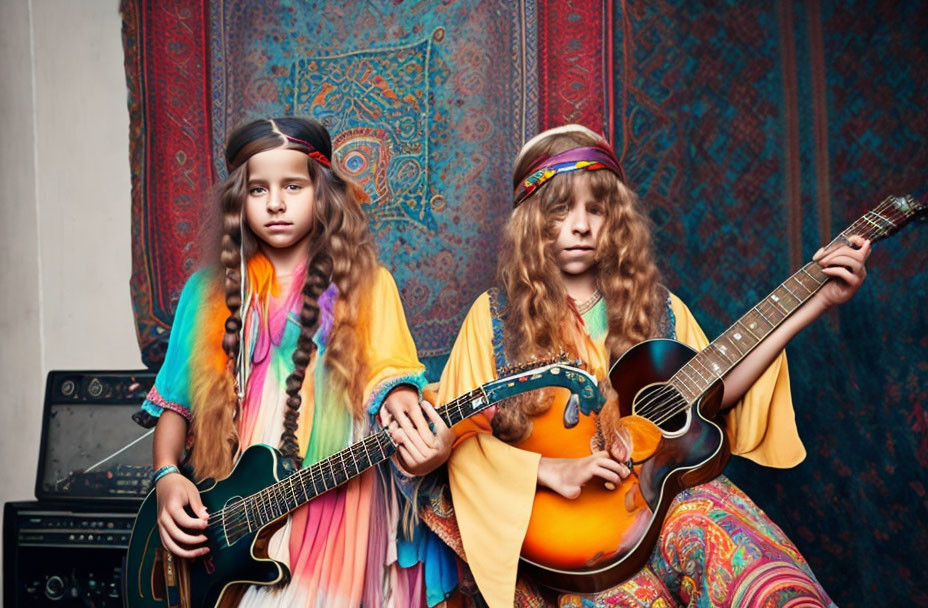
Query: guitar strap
pixel 498 306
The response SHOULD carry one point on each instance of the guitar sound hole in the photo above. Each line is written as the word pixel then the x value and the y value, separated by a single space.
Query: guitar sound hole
pixel 663 405
pixel 676 423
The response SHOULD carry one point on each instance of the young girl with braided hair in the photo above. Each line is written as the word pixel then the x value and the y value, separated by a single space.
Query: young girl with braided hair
pixel 296 339
pixel 577 274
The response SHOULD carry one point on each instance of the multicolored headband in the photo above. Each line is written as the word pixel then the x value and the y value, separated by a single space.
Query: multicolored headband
pixel 313 153
pixel 577 159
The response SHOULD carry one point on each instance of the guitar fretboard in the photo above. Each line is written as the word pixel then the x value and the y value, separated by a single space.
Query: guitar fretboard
pixel 712 363
pixel 309 482
pixel 717 359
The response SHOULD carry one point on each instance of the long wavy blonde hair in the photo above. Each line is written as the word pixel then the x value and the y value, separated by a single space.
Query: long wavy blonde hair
pixel 341 252
pixel 538 307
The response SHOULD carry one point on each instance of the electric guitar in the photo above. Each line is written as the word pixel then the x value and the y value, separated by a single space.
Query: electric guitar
pixel 255 499
pixel 604 537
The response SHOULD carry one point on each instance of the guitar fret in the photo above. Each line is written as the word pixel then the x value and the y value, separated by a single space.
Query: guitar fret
pixel 369 445
pixel 815 271
pixel 322 477
pixel 747 330
pixel 264 507
pixel 706 378
pixel 306 496
pixel 791 292
pixel 772 310
pixel 884 230
pixel 722 350
pixel 785 299
pixel 294 492
pixel 361 453
pixel 698 380
pixel 806 283
pixel 685 372
pixel 733 338
pixel 683 388
pixel 796 291
pixel 245 511
pixel 354 461
pixel 276 509
pixel 758 324
pixel 451 411
pixel 718 364
pixel 379 442
pixel 332 475
pixel 866 218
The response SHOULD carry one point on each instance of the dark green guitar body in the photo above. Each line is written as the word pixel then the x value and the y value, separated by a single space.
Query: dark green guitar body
pixel 216 577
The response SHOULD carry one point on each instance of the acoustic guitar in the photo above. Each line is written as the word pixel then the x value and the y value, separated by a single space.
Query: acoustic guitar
pixel 246 507
pixel 604 537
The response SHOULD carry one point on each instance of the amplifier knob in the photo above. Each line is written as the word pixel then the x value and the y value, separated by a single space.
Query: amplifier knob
pixel 54 588
pixel 67 388
pixel 96 388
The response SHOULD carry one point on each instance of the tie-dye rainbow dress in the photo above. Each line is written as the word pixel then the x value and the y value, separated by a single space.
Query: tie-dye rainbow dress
pixel 341 548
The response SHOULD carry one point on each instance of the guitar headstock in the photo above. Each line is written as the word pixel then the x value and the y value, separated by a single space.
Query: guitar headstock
pixel 558 371
pixel 891 215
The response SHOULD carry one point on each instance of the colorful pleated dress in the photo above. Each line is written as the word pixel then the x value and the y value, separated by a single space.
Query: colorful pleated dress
pixel 716 547
pixel 341 547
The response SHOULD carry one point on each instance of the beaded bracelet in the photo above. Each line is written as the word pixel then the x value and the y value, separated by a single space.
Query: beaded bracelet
pixel 166 470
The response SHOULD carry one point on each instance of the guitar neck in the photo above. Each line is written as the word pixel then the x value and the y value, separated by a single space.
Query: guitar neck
pixel 307 483
pixel 726 351
pixel 735 343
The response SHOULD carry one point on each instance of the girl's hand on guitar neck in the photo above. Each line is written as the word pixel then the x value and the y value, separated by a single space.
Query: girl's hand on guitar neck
pixel 423 439
pixel 567 476
pixel 845 264
pixel 176 493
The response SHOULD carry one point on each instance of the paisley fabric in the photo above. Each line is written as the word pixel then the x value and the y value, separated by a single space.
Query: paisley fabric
pixel 716 549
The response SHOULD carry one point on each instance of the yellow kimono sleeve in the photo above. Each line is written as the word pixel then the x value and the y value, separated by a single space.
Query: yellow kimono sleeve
pixel 492 483
pixel 762 425
pixel 388 346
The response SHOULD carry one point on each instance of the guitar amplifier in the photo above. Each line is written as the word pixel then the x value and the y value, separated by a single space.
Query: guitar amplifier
pixel 63 555
pixel 94 469
pixel 91 449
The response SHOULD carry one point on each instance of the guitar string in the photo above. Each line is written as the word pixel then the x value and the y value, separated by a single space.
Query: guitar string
pixel 663 409
pixel 234 518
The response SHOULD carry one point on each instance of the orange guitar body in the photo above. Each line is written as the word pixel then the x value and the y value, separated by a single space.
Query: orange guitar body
pixel 604 537
pixel 575 533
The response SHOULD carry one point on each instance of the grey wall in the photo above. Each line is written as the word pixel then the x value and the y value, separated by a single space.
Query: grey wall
pixel 64 212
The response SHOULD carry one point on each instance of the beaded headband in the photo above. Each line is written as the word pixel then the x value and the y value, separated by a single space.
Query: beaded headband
pixel 576 159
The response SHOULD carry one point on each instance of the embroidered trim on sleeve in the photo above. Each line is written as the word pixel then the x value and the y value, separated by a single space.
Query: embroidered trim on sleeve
pixel 380 393
pixel 154 404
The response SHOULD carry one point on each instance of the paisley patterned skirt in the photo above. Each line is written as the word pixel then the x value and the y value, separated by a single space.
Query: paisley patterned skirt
pixel 717 548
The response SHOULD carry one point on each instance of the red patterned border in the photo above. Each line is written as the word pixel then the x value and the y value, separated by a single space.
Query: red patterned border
pixel 167 71
pixel 571 64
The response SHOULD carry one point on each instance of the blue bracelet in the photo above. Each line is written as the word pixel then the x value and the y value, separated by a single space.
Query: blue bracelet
pixel 167 470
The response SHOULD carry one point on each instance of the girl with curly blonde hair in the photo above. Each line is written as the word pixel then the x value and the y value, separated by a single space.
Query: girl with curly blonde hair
pixel 577 275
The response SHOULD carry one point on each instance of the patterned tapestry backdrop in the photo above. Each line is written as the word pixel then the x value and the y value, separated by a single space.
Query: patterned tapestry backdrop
pixel 752 131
